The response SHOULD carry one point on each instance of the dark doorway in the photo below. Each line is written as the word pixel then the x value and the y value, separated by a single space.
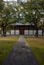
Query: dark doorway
pixel 21 31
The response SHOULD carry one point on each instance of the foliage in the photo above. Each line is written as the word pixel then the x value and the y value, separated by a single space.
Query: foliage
pixel 23 12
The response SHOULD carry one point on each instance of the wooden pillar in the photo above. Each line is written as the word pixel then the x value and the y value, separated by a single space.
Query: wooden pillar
pixel 28 30
pixel 14 30
pixel 33 32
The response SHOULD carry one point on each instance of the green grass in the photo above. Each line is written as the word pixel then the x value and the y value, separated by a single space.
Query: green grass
pixel 6 44
pixel 37 46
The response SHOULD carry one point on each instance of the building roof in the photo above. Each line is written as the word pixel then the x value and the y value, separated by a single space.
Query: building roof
pixel 17 23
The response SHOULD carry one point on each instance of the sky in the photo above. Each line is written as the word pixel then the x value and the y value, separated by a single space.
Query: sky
pixel 16 0
pixel 10 0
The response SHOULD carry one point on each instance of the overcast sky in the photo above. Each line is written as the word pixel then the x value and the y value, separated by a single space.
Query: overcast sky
pixel 10 0
pixel 16 0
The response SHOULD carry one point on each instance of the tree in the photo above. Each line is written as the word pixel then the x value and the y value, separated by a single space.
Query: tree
pixel 7 15
pixel 32 11
pixel 1 11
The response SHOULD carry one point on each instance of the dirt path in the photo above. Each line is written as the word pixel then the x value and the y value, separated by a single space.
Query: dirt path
pixel 21 55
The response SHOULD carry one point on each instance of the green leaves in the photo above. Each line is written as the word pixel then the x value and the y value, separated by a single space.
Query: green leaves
pixel 1 6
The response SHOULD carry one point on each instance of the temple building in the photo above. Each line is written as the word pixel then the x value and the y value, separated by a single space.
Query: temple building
pixel 26 29
pixel 19 1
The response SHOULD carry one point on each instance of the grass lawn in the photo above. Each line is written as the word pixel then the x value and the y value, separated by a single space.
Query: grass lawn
pixel 6 44
pixel 37 45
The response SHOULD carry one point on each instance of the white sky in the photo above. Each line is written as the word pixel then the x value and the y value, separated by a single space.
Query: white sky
pixel 10 0
pixel 16 0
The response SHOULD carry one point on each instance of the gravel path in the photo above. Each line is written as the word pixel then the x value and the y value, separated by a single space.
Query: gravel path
pixel 21 55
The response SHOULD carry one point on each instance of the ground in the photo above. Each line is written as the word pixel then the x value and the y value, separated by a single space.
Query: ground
pixel 21 54
pixel 12 53
pixel 6 44
pixel 37 46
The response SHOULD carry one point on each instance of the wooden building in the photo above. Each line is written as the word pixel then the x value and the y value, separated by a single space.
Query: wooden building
pixel 21 29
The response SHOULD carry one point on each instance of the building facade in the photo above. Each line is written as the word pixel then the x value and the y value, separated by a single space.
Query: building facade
pixel 27 30
pixel 19 1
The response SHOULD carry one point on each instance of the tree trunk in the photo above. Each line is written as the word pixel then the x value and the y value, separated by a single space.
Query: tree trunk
pixel 36 32
pixel 4 31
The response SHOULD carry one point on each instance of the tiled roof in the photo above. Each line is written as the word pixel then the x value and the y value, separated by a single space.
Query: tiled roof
pixel 17 23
